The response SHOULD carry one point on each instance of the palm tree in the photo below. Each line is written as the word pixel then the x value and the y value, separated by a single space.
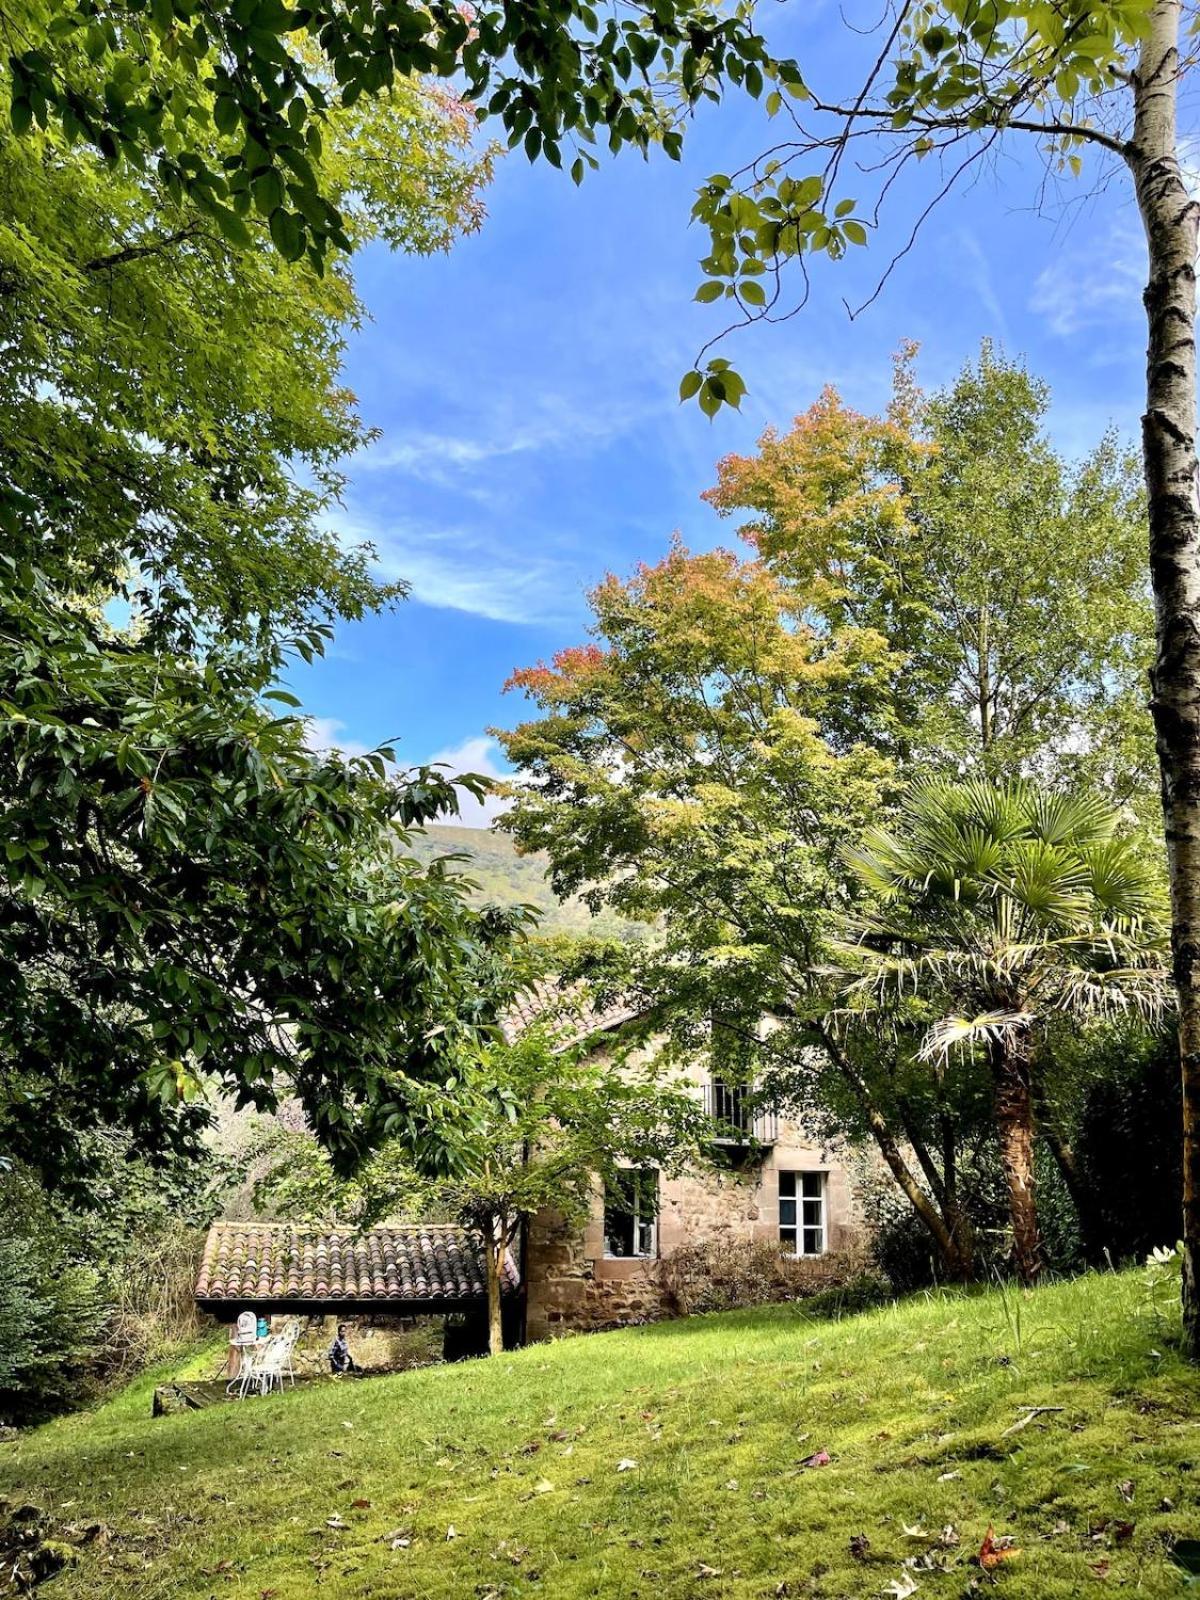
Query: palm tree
pixel 1002 906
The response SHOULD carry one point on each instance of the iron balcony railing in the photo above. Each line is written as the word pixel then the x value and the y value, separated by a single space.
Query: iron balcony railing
pixel 740 1120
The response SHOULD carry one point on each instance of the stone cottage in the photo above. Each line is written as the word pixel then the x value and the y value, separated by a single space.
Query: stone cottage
pixel 778 1185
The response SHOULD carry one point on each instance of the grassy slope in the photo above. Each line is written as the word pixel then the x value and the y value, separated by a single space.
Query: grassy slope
pixel 718 1414
pixel 506 878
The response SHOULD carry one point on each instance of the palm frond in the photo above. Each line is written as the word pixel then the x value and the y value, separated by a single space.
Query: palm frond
pixel 963 1033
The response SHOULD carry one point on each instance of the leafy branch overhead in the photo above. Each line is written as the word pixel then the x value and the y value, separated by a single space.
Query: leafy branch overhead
pixel 228 105
pixel 151 82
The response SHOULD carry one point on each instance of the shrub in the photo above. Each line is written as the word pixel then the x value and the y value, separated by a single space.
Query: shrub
pixel 726 1274
pixel 89 1297
pixel 51 1320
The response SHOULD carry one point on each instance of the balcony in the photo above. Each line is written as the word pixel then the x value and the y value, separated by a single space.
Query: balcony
pixel 742 1122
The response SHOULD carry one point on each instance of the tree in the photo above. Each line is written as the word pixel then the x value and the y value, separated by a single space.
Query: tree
pixel 174 415
pixel 188 894
pixel 265 79
pixel 691 768
pixel 1009 582
pixel 191 900
pixel 537 1122
pixel 950 80
pixel 1009 906
pixel 734 727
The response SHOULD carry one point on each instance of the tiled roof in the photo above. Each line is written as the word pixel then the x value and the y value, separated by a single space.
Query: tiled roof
pixel 569 1013
pixel 405 1264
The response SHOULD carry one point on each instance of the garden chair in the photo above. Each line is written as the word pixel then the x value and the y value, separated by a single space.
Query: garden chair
pixel 266 1371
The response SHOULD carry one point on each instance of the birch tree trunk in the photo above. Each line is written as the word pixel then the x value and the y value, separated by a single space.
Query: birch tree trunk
pixel 1169 215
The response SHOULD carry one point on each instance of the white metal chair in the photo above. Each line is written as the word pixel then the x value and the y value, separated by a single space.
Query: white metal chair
pixel 272 1363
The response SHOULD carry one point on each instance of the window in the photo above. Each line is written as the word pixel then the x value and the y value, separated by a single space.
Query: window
pixel 731 1106
pixel 630 1214
pixel 802 1213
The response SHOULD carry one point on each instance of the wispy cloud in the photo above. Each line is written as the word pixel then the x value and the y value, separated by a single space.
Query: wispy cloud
pixel 512 576
pixel 556 422
pixel 1085 288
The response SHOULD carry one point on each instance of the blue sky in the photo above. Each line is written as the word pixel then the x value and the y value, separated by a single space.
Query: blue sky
pixel 526 388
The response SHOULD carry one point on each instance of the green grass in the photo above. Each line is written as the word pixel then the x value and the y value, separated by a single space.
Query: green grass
pixel 520 1456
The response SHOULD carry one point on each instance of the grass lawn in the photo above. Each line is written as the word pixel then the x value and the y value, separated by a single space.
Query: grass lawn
pixel 669 1462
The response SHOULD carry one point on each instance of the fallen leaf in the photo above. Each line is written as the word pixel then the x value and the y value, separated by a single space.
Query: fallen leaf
pixel 900 1588
pixel 1125 1489
pixel 451 1532
pixel 1123 1531
pixel 948 1537
pixel 946 1477
pixel 626 1465
pixel 335 1521
pixel 993 1551
pixel 1100 1568
pixel 859 1545
pixel 915 1532
pixel 819 1458
pixel 732 1484
pixel 543 1486
pixel 361 1505
pixel 705 1571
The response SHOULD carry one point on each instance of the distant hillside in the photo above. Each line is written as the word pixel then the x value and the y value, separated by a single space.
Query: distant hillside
pixel 506 878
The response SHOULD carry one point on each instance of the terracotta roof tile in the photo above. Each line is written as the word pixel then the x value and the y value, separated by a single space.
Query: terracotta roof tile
pixel 569 1014
pixel 411 1262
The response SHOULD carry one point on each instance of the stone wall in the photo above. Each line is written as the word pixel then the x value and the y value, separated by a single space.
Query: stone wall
pixel 572 1287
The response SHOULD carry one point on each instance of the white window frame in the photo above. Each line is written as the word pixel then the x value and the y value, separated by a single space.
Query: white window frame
pixel 645 1229
pixel 807 1206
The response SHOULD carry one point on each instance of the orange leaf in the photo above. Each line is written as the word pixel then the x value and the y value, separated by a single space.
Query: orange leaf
pixel 992 1552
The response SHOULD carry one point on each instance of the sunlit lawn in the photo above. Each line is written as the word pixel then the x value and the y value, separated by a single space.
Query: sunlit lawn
pixel 504 1478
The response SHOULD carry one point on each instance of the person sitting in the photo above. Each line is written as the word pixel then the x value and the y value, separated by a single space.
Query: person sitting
pixel 340 1359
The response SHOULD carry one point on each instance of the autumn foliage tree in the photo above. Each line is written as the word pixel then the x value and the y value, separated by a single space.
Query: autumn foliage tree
pixel 689 769
pixel 1008 580
pixel 735 727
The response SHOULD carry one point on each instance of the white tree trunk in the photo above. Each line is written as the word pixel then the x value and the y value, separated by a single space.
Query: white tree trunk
pixel 1170 216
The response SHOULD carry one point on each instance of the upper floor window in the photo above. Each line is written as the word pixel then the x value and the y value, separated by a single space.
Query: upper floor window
pixel 802 1226
pixel 631 1213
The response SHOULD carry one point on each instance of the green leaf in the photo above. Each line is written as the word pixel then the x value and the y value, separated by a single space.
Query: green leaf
pixel 20 114
pixel 231 225
pixel 690 384
pixel 708 292
pixel 287 234
pixel 752 292
pixel 226 115
pixel 268 192
pixel 855 232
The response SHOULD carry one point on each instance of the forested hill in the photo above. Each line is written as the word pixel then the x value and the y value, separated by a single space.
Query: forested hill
pixel 506 878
